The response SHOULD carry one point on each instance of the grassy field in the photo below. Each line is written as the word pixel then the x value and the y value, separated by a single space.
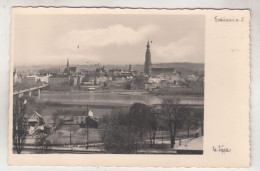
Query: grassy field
pixel 48 112
pixel 79 137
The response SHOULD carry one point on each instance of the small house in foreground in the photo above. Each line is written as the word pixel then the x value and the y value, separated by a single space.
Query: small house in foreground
pixel 36 121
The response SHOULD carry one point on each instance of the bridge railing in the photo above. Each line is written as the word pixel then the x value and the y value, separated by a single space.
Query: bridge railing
pixel 28 89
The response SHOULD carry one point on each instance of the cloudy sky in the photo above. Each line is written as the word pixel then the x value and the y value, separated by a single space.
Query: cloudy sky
pixel 107 39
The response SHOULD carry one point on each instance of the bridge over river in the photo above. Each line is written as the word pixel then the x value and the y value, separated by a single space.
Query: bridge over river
pixel 22 92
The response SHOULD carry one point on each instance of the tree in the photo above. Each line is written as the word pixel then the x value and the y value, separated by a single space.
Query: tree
pixel 138 117
pixel 199 120
pixel 142 119
pixel 75 128
pixel 42 143
pixel 119 139
pixel 187 118
pixel 116 136
pixel 189 121
pixel 83 132
pixel 58 122
pixel 21 110
pixel 60 134
pixel 152 127
pixel 173 113
pixel 124 131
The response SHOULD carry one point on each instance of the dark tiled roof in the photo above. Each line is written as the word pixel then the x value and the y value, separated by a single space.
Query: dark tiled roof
pixel 73 69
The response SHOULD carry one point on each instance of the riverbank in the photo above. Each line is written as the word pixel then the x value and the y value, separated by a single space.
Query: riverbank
pixel 112 99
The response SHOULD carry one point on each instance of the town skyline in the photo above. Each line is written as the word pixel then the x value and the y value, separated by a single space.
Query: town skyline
pixel 108 64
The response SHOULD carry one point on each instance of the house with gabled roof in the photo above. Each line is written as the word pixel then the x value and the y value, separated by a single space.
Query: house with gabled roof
pixel 35 121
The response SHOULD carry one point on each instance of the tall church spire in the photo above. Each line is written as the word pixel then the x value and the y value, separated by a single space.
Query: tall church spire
pixel 68 65
pixel 148 45
pixel 148 62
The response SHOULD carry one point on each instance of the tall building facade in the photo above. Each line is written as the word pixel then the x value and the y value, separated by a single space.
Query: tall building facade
pixel 58 79
pixel 148 62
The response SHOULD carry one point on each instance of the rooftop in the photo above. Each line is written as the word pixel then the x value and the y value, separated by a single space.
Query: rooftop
pixel 59 76
pixel 36 113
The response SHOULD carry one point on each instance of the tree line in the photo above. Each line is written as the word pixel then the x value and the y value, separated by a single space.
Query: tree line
pixel 124 131
pixel 127 130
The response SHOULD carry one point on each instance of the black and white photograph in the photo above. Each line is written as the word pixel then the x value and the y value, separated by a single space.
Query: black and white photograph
pixel 108 84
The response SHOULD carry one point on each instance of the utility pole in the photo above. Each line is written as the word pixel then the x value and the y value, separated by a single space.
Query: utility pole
pixel 162 140
pixel 87 119
pixel 87 131
pixel 70 131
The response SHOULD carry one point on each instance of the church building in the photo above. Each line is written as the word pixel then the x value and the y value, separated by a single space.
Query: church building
pixel 149 70
pixel 68 69
pixel 148 62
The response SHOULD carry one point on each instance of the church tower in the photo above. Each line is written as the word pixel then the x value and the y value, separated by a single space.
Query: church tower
pixel 148 62
pixel 68 65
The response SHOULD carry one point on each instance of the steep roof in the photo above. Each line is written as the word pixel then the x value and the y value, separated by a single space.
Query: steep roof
pixel 59 76
pixel 37 114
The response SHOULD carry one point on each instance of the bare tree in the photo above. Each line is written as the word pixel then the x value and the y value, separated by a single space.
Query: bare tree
pixel 188 125
pixel 21 109
pixel 188 119
pixel 75 128
pixel 172 111
pixel 83 132
pixel 60 133
pixel 152 126
pixel 58 122
pixel 199 120
pixel 42 144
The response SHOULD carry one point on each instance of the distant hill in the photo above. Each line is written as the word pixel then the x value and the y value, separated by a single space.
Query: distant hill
pixel 192 66
pixel 184 67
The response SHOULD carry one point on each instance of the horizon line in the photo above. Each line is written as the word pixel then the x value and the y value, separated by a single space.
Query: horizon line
pixel 106 64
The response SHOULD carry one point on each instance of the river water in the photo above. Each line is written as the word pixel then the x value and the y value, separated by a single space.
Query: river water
pixel 118 98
